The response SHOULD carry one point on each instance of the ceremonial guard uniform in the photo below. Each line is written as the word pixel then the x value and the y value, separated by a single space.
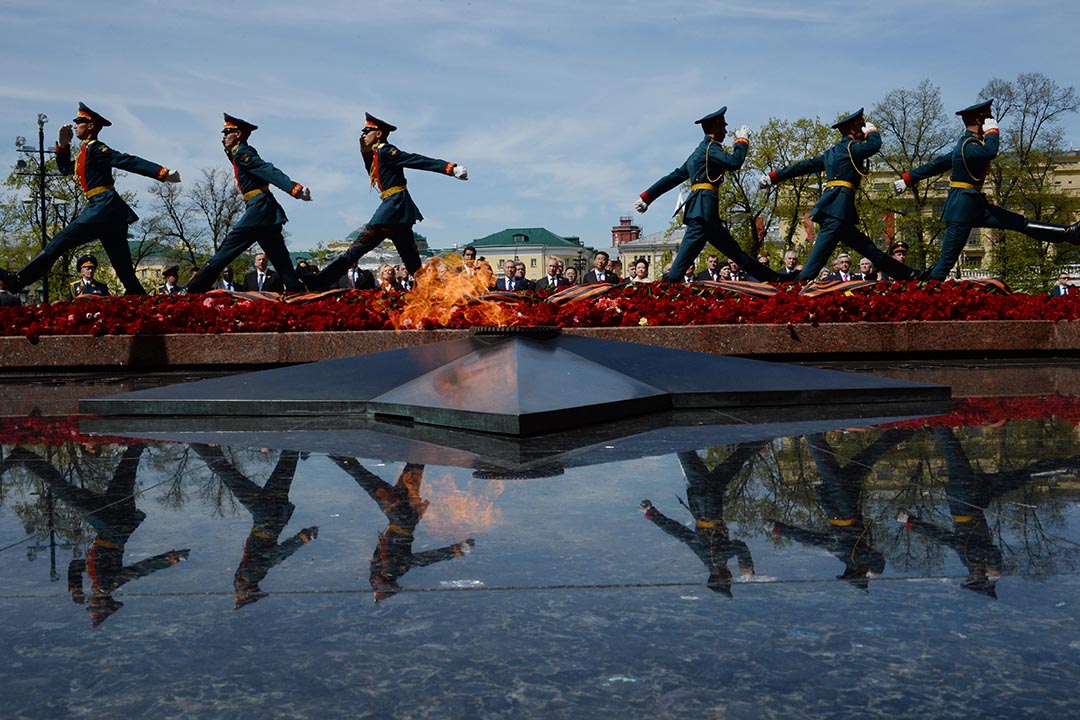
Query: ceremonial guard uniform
pixel 839 494
pixel 106 216
pixel 845 164
pixel 705 170
pixel 263 217
pixel 115 517
pixel 403 507
pixel 709 539
pixel 396 215
pixel 966 207
pixel 969 493
pixel 87 285
pixel 270 512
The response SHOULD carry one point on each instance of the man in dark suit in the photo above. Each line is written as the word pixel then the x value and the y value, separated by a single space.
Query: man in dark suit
pixel 506 282
pixel 1063 287
pixel 7 299
pixel 228 280
pixel 711 271
pixel 554 279
pixel 843 269
pixel 520 281
pixel 356 278
pixel 263 277
pixel 600 273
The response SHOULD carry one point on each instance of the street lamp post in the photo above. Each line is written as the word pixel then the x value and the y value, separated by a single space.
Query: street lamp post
pixel 42 197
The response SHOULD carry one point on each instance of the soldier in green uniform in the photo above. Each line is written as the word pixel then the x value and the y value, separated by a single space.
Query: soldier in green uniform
pixel 396 215
pixel 845 164
pixel 263 217
pixel 966 207
pixel 106 216
pixel 87 285
pixel 705 170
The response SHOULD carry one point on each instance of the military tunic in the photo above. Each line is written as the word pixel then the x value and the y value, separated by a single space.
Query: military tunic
pixel 966 207
pixel 106 216
pixel 84 287
pixel 705 170
pixel 261 222
pixel 397 212
pixel 844 165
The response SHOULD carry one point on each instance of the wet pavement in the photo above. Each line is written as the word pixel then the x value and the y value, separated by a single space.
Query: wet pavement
pixel 892 567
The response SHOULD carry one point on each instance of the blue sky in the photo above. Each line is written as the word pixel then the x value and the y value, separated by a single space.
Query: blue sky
pixel 562 110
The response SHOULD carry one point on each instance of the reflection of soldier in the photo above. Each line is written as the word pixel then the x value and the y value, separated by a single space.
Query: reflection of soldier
pixel 838 493
pixel 705 500
pixel 115 518
pixel 403 507
pixel 270 512
pixel 969 493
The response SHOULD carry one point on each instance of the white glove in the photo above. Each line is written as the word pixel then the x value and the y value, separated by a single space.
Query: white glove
pixel 902 518
pixel 899 186
pixel 305 194
pixel 640 205
pixel 173 176
pixel 467 546
pixel 869 128
pixel 461 173
pixel 646 506
pixel 743 133
pixel 769 527
pixel 989 124
pixel 765 182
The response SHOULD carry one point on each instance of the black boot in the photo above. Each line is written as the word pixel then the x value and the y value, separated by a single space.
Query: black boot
pixel 1072 233
pixel 325 278
pixel 203 281
pixel 1051 233
pixel 11 281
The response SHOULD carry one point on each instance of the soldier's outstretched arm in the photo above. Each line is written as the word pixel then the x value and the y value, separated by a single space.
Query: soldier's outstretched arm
pixel 247 158
pixel 134 163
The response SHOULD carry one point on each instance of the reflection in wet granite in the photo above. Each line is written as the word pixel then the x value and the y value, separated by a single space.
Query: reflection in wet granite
pixel 924 566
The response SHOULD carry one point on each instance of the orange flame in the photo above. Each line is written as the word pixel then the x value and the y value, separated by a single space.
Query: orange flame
pixel 454 513
pixel 446 287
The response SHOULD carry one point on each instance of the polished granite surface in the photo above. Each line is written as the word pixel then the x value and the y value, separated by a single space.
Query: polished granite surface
pixel 907 566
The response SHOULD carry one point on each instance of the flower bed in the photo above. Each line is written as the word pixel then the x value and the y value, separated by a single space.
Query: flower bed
pixel 622 306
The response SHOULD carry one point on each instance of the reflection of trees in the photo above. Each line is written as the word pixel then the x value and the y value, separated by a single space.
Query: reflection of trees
pixel 1007 493
pixel 31 500
pixel 114 516
pixel 1026 523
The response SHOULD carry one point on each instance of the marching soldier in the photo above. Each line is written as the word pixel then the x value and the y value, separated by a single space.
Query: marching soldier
pixel 87 285
pixel 115 517
pixel 403 507
pixel 845 164
pixel 966 206
pixel 710 539
pixel 705 170
pixel 396 215
pixel 270 512
pixel 106 216
pixel 171 275
pixel 263 217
